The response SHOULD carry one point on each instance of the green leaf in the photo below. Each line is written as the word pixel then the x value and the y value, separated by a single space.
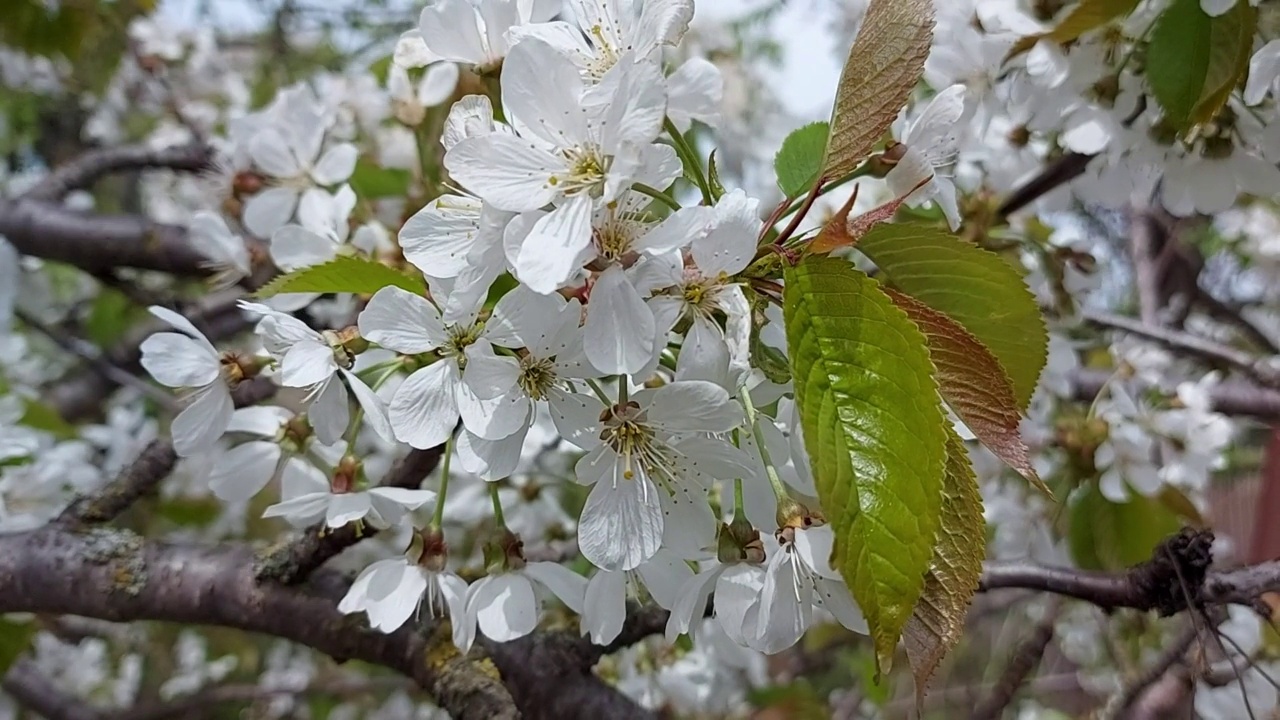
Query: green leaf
pixel 976 288
pixel 713 178
pixel 884 65
pixel 1106 535
pixel 111 315
pixel 1192 57
pixel 372 181
pixel 1230 49
pixel 37 415
pixel 949 587
pixel 800 158
pixel 15 638
pixel 974 385
pixel 1085 16
pixel 875 433
pixel 343 274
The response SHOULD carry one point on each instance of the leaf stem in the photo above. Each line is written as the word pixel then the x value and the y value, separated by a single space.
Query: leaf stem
pixel 438 516
pixel 689 159
pixel 775 481
pixel 656 194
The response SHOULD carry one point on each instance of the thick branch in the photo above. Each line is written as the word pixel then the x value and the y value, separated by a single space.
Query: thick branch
pixel 97 242
pixel 117 576
pixel 94 164
pixel 1174 579
pixel 295 560
pixel 1229 398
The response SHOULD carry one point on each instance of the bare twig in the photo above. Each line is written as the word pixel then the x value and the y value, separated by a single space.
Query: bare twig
pixel 1024 661
pixel 94 164
pixel 150 467
pixel 1171 656
pixel 1225 313
pixel 293 561
pixel 203 701
pixel 1056 174
pixel 101 365
pixel 32 690
pixel 1264 370
pixel 1229 398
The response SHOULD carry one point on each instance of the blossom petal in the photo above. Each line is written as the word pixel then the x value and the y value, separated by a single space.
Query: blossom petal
pixel 336 165
pixel 551 253
pixel 564 583
pixel 622 522
pixel 619 331
pixel 347 507
pixel 511 173
pixel 375 410
pixel 424 410
pixel 694 406
pixel 451 31
pixel 605 607
pixel 504 606
pixel 201 423
pixel 402 321
pixel 269 210
pixel 330 411
pixel 691 601
pixel 541 94
pixel 294 247
pixel 179 361
pixel 242 472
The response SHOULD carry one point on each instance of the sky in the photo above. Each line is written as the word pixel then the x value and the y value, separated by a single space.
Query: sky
pixel 805 83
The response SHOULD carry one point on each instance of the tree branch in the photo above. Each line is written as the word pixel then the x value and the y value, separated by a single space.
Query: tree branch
pixel 80 394
pixel 116 575
pixel 293 561
pixel 1056 174
pixel 151 467
pixel 94 164
pixel 1229 398
pixel 1024 661
pixel 1262 370
pixel 32 690
pixel 98 242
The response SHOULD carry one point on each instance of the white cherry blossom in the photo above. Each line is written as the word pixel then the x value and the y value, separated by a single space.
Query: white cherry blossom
pixel 186 359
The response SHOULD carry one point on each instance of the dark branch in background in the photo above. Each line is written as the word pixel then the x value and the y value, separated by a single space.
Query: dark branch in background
pixel 1171 656
pixel 151 467
pixel 199 702
pixel 118 576
pixel 293 561
pixel 1056 174
pixel 86 169
pixel 1026 657
pixel 1226 314
pixel 1229 397
pixel 80 395
pixel 1266 371
pixel 26 684
pixel 98 242
pixel 102 366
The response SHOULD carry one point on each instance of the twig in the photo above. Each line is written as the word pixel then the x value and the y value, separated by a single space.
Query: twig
pixel 244 692
pixel 32 690
pixel 1144 244
pixel 151 467
pixel 1229 398
pixel 99 364
pixel 1171 656
pixel 1225 313
pixel 94 164
pixel 293 561
pixel 1024 661
pixel 1058 173
pixel 1263 370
